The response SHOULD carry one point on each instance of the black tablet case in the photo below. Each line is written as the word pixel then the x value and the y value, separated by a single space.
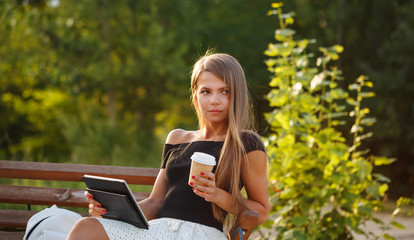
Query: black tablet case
pixel 115 196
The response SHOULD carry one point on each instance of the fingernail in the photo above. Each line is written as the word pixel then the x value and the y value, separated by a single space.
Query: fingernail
pixel 104 211
pixel 191 183
pixel 99 205
pixel 202 173
pixel 192 177
pixel 90 196
pixel 194 189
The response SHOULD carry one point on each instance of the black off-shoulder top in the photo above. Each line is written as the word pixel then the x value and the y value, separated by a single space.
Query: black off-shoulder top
pixel 180 201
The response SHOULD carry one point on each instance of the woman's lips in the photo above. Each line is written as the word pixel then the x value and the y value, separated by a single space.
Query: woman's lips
pixel 215 111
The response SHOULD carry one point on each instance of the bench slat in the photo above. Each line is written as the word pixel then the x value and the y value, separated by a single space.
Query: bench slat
pixel 18 218
pixel 48 196
pixel 11 235
pixel 74 172
pixel 15 218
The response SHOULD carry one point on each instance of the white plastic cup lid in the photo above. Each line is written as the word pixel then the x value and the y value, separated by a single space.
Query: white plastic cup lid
pixel 204 158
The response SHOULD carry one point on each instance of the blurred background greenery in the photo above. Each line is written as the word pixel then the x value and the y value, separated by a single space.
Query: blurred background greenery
pixel 103 82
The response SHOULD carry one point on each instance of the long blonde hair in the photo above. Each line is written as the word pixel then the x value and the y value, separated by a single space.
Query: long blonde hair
pixel 228 173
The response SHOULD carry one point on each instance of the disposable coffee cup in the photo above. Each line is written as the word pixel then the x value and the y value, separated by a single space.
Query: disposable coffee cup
pixel 201 162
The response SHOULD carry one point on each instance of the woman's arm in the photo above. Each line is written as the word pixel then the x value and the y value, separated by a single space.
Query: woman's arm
pixel 151 205
pixel 254 175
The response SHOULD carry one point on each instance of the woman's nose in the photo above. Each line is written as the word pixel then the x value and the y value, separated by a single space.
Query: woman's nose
pixel 214 99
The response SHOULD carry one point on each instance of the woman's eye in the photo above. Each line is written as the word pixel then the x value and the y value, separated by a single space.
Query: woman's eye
pixel 204 92
pixel 225 91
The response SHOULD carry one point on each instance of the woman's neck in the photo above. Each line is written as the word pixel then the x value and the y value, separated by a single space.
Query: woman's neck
pixel 213 134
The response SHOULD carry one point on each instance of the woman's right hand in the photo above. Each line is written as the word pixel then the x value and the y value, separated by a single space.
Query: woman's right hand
pixel 95 208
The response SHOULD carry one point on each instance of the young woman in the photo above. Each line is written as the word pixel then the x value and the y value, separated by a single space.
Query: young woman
pixel 198 211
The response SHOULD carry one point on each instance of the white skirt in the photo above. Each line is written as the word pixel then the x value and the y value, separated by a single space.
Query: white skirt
pixel 162 228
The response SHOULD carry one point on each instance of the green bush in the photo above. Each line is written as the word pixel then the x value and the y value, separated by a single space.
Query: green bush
pixel 321 184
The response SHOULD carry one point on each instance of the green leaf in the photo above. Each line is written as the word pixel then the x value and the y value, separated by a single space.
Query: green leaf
pixel 377 221
pixel 379 161
pixel 271 12
pixel 285 32
pixel 352 222
pixel 277 5
pixel 382 178
pixel 290 20
pixel 338 114
pixel 368 121
pixel 352 102
pixel 403 201
pixel 317 80
pixel 270 62
pixel 287 15
pixel 282 35
pixel 396 211
pixel 298 221
pixel 302 61
pixel 277 98
pixel 284 121
pixel 368 84
pixel 356 128
pixel 289 182
pixel 388 237
pixel 285 209
pixel 285 71
pixel 294 234
pixel 361 79
pixel 358 154
pixel 382 189
pixel 373 190
pixel 397 225
pixel 338 123
pixel 276 81
pixel 366 208
pixel 338 93
pixel 362 137
pixel 367 94
pixel 303 43
pixel 333 56
pixel 288 193
pixel 354 86
pixel 274 50
pixel 365 169
pixel 338 48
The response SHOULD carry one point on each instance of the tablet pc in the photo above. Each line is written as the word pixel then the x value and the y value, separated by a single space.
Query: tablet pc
pixel 116 197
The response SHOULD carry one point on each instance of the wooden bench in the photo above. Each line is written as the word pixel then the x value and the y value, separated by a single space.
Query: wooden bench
pixel 13 222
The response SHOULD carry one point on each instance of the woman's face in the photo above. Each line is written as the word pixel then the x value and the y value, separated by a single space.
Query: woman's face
pixel 212 98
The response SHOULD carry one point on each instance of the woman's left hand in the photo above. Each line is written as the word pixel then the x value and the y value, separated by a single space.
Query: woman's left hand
pixel 207 187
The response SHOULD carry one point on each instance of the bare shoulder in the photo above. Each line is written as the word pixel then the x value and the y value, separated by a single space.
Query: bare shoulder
pixel 178 136
pixel 257 155
pixel 256 163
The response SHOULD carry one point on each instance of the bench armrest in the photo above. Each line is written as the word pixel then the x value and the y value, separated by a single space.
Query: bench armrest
pixel 245 223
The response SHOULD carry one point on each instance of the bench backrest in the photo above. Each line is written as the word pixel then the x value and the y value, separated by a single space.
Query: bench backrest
pixel 48 196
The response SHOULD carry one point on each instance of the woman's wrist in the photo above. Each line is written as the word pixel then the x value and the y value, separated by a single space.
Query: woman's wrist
pixel 223 199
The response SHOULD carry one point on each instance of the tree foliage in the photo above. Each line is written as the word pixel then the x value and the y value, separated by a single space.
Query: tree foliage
pixel 83 81
pixel 322 184
pixel 376 35
pixel 102 82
